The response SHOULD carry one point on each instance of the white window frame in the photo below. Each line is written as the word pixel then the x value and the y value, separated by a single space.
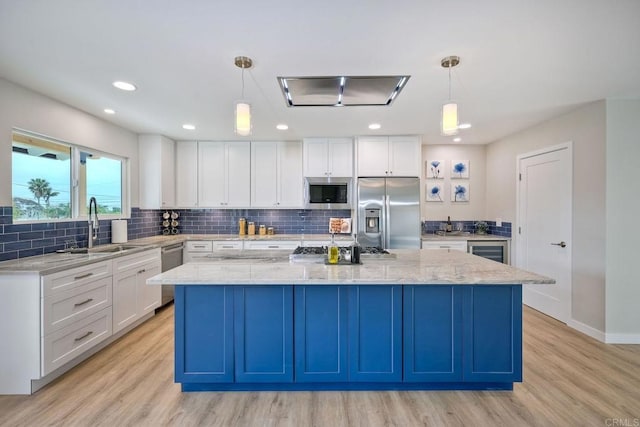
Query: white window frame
pixel 75 180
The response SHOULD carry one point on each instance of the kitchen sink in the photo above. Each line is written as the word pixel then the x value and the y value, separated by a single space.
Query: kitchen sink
pixel 113 248
pixel 106 249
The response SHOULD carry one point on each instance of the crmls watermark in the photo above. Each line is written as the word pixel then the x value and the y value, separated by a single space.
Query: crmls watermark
pixel 622 422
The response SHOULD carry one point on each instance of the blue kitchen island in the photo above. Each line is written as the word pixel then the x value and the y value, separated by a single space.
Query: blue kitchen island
pixel 426 320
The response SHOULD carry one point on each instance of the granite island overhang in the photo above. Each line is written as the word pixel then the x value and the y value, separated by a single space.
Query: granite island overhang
pixel 426 320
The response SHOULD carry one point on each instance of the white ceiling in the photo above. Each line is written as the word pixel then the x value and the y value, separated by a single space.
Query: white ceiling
pixel 522 61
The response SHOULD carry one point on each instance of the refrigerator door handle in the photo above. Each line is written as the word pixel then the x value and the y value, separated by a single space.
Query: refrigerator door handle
pixel 387 225
pixel 383 223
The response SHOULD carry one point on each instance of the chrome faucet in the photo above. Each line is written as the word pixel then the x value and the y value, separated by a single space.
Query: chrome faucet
pixel 93 224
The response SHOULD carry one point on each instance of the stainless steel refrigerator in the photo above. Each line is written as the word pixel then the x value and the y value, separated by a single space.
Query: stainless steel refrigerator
pixel 389 212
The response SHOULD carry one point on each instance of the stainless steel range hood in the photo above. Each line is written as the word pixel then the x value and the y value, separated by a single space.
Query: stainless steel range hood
pixel 341 91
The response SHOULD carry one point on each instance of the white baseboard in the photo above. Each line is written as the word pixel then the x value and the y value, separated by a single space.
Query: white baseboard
pixel 604 337
pixel 622 339
pixel 587 330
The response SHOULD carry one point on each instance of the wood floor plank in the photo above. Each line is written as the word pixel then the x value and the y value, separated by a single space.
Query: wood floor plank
pixel 569 379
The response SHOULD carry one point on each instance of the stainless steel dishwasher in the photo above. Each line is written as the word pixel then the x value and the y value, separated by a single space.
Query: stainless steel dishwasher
pixel 171 258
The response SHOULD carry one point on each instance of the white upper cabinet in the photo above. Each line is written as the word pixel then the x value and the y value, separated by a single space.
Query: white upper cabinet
pixel 186 174
pixel 276 174
pixel 389 156
pixel 328 157
pixel 224 174
pixel 156 155
pixel 373 156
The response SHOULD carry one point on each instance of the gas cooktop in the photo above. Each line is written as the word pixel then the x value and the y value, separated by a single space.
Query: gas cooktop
pixel 319 253
pixel 323 250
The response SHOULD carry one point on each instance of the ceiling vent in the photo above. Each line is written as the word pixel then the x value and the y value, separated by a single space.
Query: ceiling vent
pixel 341 91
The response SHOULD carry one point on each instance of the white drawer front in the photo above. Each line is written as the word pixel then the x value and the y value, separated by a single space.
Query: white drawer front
pixel 199 246
pixel 73 278
pixel 231 244
pixel 198 256
pixel 458 245
pixel 274 244
pixel 136 260
pixel 64 308
pixel 62 346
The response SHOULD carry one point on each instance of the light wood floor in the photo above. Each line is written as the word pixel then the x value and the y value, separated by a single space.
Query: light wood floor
pixel 569 380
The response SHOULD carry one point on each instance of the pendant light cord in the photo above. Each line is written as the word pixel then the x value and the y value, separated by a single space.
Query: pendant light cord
pixel 243 83
pixel 449 81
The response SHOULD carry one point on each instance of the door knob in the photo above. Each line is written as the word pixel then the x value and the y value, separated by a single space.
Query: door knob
pixel 561 244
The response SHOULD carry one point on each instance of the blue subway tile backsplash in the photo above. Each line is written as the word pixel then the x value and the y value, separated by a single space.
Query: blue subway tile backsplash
pixel 430 227
pixel 22 240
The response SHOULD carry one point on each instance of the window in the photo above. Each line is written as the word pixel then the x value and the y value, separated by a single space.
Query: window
pixel 44 172
pixel 103 181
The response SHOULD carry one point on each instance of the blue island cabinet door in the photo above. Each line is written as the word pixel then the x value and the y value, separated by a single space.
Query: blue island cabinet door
pixel 203 334
pixel 321 333
pixel 492 337
pixel 432 333
pixel 263 334
pixel 375 333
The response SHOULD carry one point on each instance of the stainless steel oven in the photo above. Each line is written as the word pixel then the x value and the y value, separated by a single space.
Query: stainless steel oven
pixel 496 250
pixel 171 258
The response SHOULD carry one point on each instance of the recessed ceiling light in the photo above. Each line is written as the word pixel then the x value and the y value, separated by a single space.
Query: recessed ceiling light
pixel 464 125
pixel 188 126
pixel 109 111
pixel 457 139
pixel 282 126
pixel 374 126
pixel 125 86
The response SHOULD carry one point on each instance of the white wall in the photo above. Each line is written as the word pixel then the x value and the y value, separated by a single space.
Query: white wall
pixel 28 110
pixel 623 234
pixel 586 128
pixel 469 211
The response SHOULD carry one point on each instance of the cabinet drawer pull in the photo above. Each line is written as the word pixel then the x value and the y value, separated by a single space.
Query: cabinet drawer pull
pixel 227 246
pixel 199 246
pixel 142 271
pixel 273 246
pixel 83 276
pixel 83 336
pixel 78 304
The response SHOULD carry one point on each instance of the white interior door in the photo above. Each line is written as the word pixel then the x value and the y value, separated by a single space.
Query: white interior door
pixel 544 233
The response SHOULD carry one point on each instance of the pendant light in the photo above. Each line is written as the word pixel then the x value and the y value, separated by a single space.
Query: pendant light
pixel 449 120
pixel 243 108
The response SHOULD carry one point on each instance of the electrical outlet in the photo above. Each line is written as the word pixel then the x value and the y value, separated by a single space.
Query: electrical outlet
pixel 498 222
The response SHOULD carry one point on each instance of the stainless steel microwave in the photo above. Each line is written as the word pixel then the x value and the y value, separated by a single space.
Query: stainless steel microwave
pixel 327 193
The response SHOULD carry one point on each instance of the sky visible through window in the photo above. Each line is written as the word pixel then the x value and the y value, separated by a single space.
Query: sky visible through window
pixel 103 178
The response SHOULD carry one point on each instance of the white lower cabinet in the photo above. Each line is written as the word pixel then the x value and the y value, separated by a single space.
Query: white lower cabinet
pixel 457 245
pixel 271 244
pixel 132 297
pixel 67 343
pixel 54 321
pixel 63 308
pixel 220 245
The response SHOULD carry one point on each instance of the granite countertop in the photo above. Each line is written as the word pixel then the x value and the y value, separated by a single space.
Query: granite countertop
pixel 55 262
pixel 462 236
pixel 412 266
pixel 168 240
